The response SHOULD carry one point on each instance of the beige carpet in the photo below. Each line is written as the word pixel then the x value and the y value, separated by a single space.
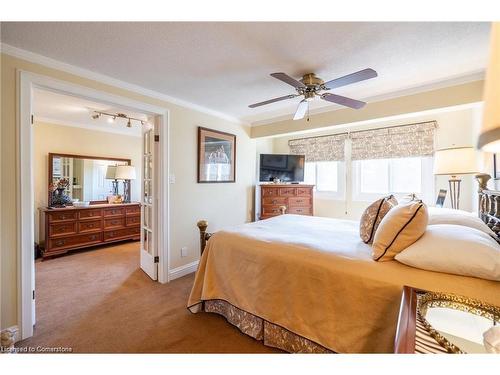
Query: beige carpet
pixel 99 301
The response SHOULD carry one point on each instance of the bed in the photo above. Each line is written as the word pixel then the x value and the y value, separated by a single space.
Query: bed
pixel 309 284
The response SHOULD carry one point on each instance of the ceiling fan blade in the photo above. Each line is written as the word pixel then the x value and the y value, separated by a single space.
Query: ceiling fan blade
pixel 287 79
pixel 301 110
pixel 342 100
pixel 351 78
pixel 272 100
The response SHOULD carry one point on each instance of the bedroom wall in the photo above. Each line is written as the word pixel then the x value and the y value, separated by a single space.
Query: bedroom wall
pixel 221 204
pixel 457 127
pixel 72 140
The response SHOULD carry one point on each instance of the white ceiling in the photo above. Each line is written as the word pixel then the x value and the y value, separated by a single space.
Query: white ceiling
pixel 68 110
pixel 226 66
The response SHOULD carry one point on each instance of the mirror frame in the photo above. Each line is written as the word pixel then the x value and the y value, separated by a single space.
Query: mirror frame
pixel 51 164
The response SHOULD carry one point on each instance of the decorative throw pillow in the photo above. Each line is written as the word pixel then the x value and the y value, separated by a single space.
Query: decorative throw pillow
pixel 373 215
pixel 402 226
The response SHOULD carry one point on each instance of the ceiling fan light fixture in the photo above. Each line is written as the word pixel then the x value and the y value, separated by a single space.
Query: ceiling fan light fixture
pixel 310 86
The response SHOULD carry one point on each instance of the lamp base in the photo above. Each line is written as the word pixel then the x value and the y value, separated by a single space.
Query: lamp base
pixel 126 191
pixel 454 184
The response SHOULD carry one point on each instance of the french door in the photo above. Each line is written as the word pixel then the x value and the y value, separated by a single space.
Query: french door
pixel 149 199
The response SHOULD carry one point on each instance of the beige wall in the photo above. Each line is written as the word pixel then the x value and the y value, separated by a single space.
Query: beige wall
pixel 220 204
pixel 455 128
pixel 72 140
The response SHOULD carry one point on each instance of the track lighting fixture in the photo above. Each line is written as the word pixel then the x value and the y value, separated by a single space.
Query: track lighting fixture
pixel 112 117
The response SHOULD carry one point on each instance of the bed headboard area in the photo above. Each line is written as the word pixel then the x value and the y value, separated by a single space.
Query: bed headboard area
pixel 489 204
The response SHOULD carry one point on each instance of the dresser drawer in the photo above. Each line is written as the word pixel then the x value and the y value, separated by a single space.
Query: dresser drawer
pixel 62 216
pixel 274 200
pixel 133 220
pixel 287 192
pixel 62 229
pixel 303 191
pixel 114 211
pixel 90 214
pixel 133 210
pixel 299 210
pixel 74 241
pixel 118 222
pixel 271 210
pixel 89 226
pixel 121 233
pixel 299 201
pixel 270 192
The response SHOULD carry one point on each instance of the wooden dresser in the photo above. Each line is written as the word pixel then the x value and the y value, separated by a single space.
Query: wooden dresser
pixel 297 199
pixel 70 228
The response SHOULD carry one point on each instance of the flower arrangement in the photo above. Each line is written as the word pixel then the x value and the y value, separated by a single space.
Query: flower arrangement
pixel 62 183
pixel 58 197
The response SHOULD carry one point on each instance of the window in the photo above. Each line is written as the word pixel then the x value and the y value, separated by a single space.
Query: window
pixel 398 176
pixel 327 176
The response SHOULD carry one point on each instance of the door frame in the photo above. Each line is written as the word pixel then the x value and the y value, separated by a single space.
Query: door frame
pixel 26 82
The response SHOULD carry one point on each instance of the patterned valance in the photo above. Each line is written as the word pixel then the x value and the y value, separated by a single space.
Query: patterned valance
pixel 395 142
pixel 323 148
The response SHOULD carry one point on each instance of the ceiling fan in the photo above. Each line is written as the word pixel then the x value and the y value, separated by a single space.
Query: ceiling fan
pixel 311 86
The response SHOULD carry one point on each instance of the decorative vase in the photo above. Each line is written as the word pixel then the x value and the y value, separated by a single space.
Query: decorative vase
pixel 59 198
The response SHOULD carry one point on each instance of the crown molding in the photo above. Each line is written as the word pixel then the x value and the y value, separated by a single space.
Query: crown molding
pixel 85 73
pixel 90 127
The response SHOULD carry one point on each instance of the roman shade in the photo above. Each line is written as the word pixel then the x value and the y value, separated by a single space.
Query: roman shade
pixel 410 140
pixel 322 148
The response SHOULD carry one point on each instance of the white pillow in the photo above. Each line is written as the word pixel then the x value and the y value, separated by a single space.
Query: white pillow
pixel 454 249
pixel 457 217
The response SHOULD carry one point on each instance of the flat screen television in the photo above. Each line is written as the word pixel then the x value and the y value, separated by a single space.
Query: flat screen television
pixel 288 168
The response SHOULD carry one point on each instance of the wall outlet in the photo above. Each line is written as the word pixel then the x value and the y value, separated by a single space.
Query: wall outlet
pixel 172 178
pixel 184 251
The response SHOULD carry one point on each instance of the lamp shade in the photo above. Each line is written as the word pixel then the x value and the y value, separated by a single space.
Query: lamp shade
pixel 454 161
pixel 489 138
pixel 125 172
pixel 111 172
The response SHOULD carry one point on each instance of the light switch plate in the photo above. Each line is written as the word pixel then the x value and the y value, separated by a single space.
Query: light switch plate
pixel 171 178
pixel 184 251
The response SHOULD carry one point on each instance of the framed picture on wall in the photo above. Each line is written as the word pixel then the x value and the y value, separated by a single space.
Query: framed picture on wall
pixel 216 156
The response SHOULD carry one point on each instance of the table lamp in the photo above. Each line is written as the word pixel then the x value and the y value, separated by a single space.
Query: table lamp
pixel 111 175
pixel 453 162
pixel 125 173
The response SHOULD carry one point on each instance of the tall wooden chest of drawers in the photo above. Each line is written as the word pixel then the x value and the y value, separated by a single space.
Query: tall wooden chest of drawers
pixel 297 199
pixel 70 228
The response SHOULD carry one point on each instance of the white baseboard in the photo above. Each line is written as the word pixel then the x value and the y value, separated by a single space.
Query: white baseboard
pixel 183 270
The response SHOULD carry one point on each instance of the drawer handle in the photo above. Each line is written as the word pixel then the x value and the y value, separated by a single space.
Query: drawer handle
pixel 93 237
pixel 60 243
pixel 114 222
pixel 90 225
pixel 111 234
pixel 274 201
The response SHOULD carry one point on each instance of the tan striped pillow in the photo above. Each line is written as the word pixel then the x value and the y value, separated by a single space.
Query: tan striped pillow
pixel 402 226
pixel 373 215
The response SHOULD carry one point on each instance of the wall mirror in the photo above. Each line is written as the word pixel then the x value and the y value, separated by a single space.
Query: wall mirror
pixel 86 176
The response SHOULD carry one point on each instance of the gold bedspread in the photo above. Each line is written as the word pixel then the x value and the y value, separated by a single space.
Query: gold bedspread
pixel 347 303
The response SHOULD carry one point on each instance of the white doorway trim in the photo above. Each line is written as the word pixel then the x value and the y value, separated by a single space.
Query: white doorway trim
pixel 26 82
